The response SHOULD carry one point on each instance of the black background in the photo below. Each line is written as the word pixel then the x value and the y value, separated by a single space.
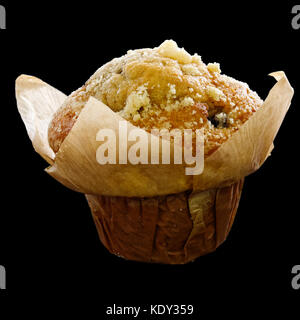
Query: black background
pixel 49 243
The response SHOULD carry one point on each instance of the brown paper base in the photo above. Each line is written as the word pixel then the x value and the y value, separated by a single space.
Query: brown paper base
pixel 173 229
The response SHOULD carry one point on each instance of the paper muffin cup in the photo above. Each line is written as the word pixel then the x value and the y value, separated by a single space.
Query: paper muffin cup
pixel 153 213
pixel 171 229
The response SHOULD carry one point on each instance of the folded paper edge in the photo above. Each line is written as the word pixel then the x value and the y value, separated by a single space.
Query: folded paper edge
pixel 279 76
pixel 23 84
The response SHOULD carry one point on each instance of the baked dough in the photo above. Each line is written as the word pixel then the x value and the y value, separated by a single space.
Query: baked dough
pixel 164 87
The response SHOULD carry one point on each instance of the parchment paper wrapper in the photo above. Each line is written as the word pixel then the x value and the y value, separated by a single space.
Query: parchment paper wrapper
pixel 131 204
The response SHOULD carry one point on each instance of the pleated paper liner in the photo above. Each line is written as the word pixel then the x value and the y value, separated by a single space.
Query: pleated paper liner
pixel 76 167
pixel 172 229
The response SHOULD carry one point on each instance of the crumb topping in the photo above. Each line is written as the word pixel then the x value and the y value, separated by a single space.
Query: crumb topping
pixel 170 49
pixel 164 87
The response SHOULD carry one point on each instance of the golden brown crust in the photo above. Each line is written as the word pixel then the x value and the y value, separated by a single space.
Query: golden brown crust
pixel 164 87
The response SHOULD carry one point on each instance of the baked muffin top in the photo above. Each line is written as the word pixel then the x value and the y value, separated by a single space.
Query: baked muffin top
pixel 164 87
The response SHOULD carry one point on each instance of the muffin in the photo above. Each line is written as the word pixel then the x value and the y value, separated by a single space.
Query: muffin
pixel 164 87
pixel 145 212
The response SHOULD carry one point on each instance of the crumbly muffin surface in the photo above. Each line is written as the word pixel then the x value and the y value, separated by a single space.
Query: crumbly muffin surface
pixel 164 87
